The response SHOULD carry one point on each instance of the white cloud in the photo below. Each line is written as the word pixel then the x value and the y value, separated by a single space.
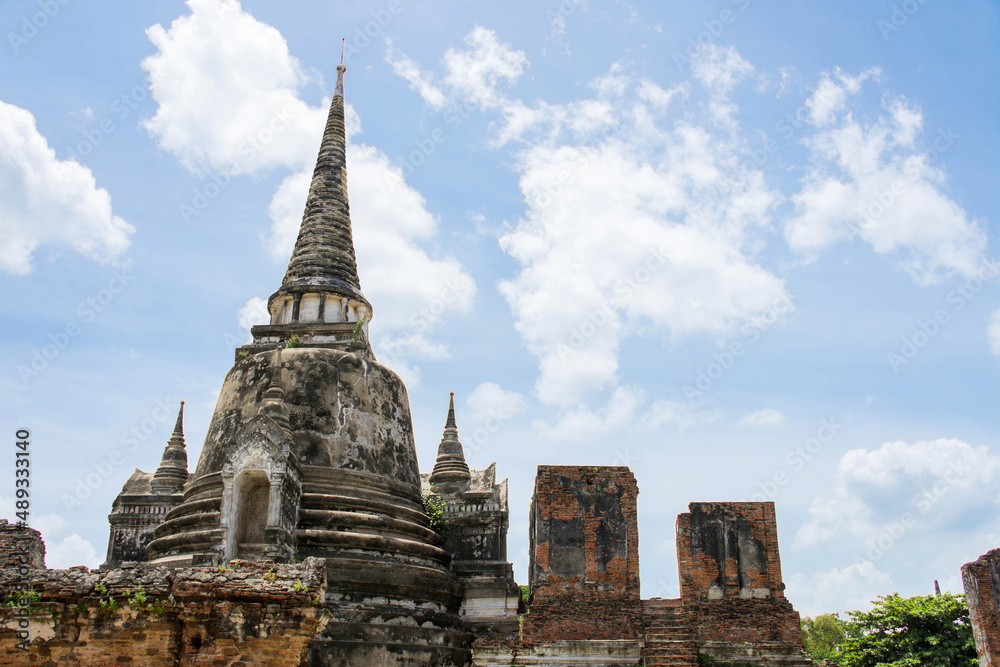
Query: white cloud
pixel 418 79
pixel 587 280
pixel 59 553
pixel 491 401
pixel 49 202
pixel 70 551
pixel 254 311
pixel 683 415
pixel 475 73
pixel 720 69
pixel 657 96
pixel 681 265
pixel 868 181
pixel 993 332
pixel 584 424
pixel 227 93
pixel 840 589
pixel 766 418
pixel 933 483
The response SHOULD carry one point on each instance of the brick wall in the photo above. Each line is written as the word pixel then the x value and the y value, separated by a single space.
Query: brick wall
pixel 584 570
pixel 19 544
pixel 730 574
pixel 982 592
pixel 255 614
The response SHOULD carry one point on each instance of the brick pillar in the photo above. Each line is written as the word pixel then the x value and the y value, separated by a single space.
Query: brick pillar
pixel 982 592
pixel 730 575
pixel 15 542
pixel 584 570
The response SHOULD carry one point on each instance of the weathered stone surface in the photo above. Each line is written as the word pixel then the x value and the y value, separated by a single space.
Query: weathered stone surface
pixel 584 568
pixel 246 614
pixel 729 550
pixel 135 514
pixel 982 591
pixel 20 546
pixel 345 412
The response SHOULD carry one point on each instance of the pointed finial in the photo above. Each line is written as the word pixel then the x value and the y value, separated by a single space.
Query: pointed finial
pixel 179 426
pixel 172 472
pixel 450 422
pixel 338 91
pixel 451 472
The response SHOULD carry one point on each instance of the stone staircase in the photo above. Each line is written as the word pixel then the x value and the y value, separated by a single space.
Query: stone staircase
pixel 669 640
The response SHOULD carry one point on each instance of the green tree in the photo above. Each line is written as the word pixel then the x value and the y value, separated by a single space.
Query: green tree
pixel 822 634
pixel 922 631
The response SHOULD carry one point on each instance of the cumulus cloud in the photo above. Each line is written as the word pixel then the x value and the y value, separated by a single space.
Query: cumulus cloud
pixel 70 551
pixel 226 87
pixel 419 80
pixel 227 90
pixel 766 418
pixel 476 72
pixel 491 401
pixel 868 180
pixel 587 281
pixel 927 484
pixel 840 589
pixel 61 551
pixel 584 424
pixel 681 265
pixel 49 202
pixel 720 69
pixel 830 96
pixel 253 312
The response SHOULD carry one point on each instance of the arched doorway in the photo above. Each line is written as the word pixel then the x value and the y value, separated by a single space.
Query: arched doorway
pixel 251 493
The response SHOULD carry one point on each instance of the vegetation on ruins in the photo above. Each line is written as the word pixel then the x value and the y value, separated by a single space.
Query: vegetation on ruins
pixel 357 331
pixel 921 631
pixel 434 507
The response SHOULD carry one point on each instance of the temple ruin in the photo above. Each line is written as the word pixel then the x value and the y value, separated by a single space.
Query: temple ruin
pixel 301 536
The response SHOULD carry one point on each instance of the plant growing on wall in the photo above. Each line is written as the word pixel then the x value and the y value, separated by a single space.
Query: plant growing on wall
pixel 357 331
pixel 434 508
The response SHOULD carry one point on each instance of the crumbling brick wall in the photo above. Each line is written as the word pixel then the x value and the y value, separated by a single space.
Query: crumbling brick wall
pixel 253 614
pixel 584 570
pixel 730 574
pixel 982 591
pixel 19 544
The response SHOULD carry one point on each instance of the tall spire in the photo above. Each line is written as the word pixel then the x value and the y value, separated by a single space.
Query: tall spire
pixel 324 251
pixel 451 472
pixel 172 472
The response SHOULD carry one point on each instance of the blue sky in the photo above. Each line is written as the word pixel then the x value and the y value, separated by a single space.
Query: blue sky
pixel 745 249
